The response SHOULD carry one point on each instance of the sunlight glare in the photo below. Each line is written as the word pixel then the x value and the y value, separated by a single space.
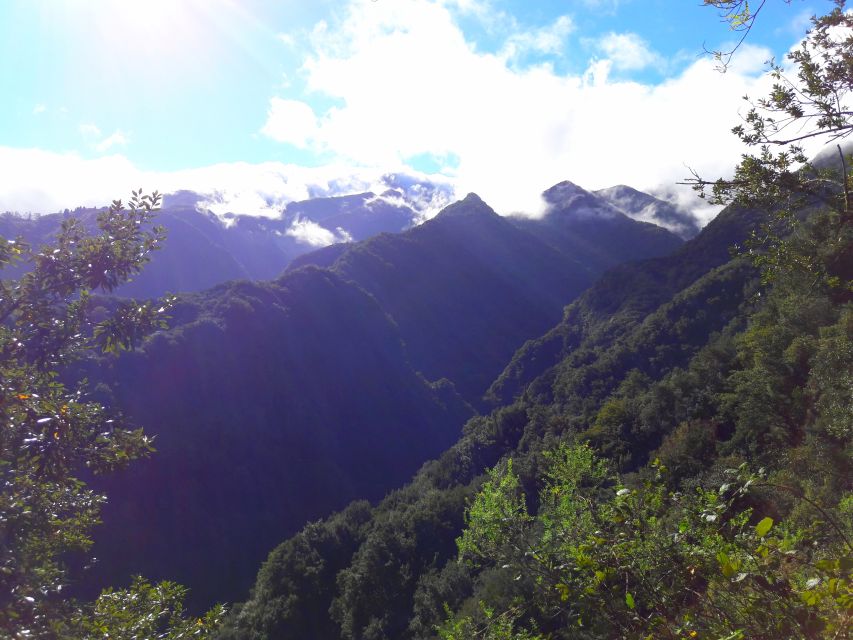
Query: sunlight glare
pixel 155 38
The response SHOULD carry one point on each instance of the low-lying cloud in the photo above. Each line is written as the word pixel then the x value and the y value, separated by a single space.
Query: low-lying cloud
pixel 311 233
pixel 38 181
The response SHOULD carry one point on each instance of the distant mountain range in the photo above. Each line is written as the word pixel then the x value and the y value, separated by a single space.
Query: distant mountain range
pixel 233 246
pixel 647 208
pixel 594 230
pixel 334 381
pixel 203 249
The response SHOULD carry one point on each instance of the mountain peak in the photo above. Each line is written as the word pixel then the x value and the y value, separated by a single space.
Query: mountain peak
pixel 473 198
pixel 567 198
pixel 620 189
pixel 562 191
pixel 470 206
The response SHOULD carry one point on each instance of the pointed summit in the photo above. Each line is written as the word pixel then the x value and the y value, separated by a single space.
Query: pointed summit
pixel 562 191
pixel 471 206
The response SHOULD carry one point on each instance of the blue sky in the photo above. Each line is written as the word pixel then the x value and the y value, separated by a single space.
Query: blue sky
pixel 237 97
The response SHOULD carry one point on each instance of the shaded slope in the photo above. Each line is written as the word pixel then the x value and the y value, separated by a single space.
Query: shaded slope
pixel 276 403
pixel 272 404
pixel 468 287
pixel 395 571
pixel 465 288
pixel 621 297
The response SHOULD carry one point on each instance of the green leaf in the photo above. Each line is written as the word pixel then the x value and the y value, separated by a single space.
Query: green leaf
pixel 629 600
pixel 763 527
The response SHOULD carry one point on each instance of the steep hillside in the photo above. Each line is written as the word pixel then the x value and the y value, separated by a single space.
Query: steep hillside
pixel 465 288
pixel 623 296
pixel 611 385
pixel 315 381
pixel 272 404
pixel 468 287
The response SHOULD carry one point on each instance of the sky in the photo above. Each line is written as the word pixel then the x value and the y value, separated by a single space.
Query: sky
pixel 262 102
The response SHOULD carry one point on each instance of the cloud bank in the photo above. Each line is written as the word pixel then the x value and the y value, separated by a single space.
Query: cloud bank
pixel 406 84
pixel 37 181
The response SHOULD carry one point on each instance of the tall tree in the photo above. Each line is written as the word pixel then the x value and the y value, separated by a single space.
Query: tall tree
pixel 52 432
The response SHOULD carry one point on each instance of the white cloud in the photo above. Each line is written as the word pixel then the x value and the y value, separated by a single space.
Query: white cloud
pixel 550 39
pixel 39 109
pixel 606 6
pixel 98 141
pixel 311 233
pixel 798 25
pixel 40 181
pixel 43 181
pixel 290 121
pixel 628 51
pixel 408 84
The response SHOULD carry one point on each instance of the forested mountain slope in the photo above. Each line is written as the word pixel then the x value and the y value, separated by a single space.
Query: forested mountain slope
pixel 465 288
pixel 468 287
pixel 271 404
pixel 623 296
pixel 279 402
pixel 682 361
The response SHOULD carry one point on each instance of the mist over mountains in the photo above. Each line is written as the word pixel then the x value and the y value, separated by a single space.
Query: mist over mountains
pixel 235 246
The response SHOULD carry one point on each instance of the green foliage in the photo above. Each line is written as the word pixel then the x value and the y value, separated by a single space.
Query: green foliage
pixel 145 611
pixel 700 391
pixel 497 508
pixel 297 580
pixel 659 563
pixel 785 182
pixel 831 378
pixel 493 627
pixel 676 383
pixel 51 432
